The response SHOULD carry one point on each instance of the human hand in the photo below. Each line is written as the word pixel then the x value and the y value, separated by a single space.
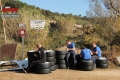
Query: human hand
pixel 35 55
pixel 67 49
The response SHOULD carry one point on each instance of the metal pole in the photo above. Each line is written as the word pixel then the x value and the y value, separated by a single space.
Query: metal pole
pixel 22 47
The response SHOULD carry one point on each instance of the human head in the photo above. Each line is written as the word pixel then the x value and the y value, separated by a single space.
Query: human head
pixel 39 45
pixel 86 46
pixel 68 41
pixel 94 45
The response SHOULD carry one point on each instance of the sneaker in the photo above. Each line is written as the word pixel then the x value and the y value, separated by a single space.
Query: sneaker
pixel 94 66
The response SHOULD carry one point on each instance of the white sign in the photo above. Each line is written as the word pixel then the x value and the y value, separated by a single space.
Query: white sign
pixel 22 25
pixel 10 15
pixel 37 24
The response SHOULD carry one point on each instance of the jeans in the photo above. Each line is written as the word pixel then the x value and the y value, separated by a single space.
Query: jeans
pixel 94 57
pixel 71 52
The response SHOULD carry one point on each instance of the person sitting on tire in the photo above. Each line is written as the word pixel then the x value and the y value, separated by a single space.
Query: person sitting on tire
pixel 71 51
pixel 96 53
pixel 40 56
pixel 85 54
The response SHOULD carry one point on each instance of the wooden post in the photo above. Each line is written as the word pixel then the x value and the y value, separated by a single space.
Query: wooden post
pixel 3 23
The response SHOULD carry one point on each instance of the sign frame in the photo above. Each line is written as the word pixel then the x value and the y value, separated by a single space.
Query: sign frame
pixel 37 24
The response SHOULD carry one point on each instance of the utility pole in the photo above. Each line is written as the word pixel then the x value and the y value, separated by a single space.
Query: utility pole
pixel 3 23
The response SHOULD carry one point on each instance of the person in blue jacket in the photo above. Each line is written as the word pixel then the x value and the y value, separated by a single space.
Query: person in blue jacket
pixel 71 51
pixel 96 52
pixel 85 54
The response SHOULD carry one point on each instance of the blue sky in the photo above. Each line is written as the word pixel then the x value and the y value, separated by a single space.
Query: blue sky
pixel 75 7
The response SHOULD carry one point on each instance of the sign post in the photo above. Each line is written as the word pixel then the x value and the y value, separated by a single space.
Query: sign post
pixel 37 24
pixel 22 33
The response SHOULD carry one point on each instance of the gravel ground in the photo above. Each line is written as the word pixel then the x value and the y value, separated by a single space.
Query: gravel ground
pixel 64 74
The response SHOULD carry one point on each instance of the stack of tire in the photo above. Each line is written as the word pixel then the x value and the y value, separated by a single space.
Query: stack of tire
pixel 102 63
pixel 50 57
pixel 86 65
pixel 43 68
pixel 60 59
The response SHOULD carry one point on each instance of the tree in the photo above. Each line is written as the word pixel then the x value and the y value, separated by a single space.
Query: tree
pixel 105 13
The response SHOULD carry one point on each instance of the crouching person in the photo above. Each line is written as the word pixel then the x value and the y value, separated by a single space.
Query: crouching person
pixel 39 55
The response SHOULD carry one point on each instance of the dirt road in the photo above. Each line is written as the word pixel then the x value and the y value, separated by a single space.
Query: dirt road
pixel 97 74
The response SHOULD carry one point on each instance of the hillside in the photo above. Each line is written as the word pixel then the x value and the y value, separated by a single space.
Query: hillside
pixel 58 27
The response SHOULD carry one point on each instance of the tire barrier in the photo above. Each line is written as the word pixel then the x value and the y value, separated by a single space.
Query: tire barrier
pixel 87 65
pixel 53 68
pixel 87 62
pixel 87 68
pixel 102 63
pixel 61 62
pixel 60 59
pixel 50 53
pixel 52 63
pixel 60 52
pixel 43 68
pixel 50 57
pixel 62 66
pixel 44 71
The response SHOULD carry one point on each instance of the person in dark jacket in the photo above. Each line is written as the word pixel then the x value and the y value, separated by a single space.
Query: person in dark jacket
pixel 40 52
pixel 40 56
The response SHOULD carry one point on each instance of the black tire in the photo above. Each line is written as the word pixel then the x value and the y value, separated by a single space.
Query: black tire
pixel 53 68
pixel 60 57
pixel 44 71
pixel 102 65
pixel 61 62
pixel 62 66
pixel 87 68
pixel 86 63
pixel 61 52
pixel 50 59
pixel 101 60
pixel 50 53
pixel 45 65
pixel 30 55
pixel 52 63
